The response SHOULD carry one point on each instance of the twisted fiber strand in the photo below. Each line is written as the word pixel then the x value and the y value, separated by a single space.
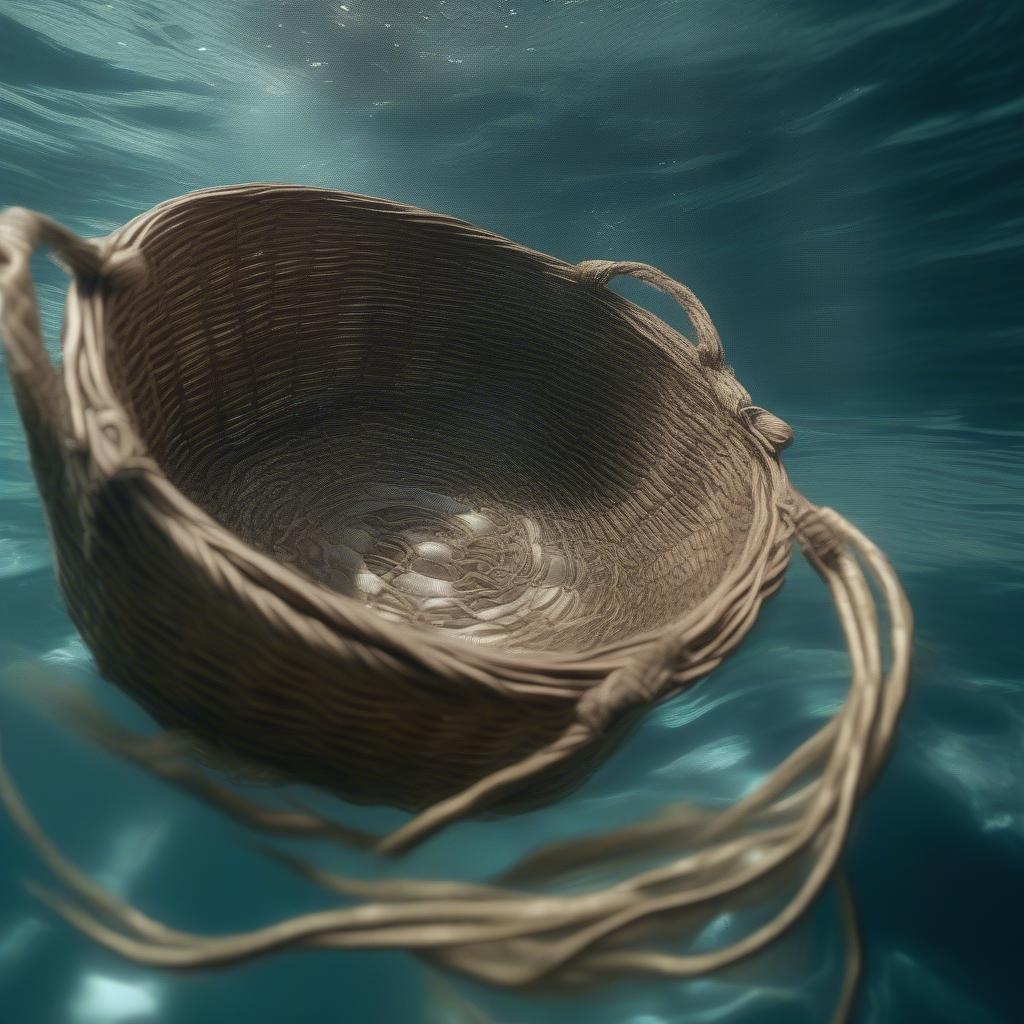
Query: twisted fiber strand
pixel 164 756
pixel 829 819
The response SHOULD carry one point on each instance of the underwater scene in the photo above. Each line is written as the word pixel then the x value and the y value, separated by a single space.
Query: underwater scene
pixel 842 186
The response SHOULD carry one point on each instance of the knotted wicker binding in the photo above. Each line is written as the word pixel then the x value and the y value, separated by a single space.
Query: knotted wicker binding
pixel 374 499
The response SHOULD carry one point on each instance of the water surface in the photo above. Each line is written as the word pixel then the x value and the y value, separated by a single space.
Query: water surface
pixel 841 184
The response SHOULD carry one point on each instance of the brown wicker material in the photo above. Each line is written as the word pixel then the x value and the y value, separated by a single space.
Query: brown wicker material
pixel 374 499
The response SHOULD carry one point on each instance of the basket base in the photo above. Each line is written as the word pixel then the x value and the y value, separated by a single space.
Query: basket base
pixel 483 573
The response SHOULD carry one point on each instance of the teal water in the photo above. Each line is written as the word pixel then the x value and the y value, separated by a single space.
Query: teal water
pixel 841 184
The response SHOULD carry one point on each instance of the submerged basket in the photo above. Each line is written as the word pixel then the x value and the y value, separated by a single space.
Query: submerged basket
pixel 380 501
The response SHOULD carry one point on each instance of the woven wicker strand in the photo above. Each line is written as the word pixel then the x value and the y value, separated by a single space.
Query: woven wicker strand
pixel 370 498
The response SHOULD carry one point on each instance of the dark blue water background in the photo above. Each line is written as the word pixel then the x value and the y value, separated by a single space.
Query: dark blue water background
pixel 841 183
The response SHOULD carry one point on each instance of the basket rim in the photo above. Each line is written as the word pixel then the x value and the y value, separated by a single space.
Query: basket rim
pixel 102 428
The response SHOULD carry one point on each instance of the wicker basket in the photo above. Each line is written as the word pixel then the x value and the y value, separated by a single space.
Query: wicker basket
pixel 380 501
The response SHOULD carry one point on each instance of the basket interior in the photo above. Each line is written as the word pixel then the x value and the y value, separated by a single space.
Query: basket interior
pixel 430 420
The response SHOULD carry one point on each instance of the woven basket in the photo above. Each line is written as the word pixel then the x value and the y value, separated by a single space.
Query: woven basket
pixel 377 500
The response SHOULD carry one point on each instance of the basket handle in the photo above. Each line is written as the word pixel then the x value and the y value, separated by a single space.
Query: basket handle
pixel 21 233
pixel 829 542
pixel 709 345
pixel 771 432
